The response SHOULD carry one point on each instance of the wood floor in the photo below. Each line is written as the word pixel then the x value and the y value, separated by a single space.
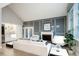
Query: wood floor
pixel 5 51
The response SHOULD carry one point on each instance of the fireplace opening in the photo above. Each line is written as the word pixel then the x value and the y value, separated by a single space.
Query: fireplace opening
pixel 46 37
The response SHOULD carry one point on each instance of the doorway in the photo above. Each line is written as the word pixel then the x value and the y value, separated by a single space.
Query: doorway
pixel 3 33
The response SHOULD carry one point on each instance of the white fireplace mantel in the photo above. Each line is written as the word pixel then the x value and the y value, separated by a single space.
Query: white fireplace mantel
pixel 47 33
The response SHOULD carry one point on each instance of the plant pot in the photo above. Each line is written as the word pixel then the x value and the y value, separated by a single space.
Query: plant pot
pixel 70 52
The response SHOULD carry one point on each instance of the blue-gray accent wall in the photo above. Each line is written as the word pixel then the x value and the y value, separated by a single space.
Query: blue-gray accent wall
pixel 58 23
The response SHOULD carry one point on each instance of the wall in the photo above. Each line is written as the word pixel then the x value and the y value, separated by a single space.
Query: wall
pixel 3 5
pixel 8 16
pixel 0 25
pixel 57 22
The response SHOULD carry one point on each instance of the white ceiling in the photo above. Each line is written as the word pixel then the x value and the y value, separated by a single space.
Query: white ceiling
pixel 36 11
pixel 3 4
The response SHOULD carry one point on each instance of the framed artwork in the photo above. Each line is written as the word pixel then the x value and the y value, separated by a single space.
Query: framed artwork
pixel 47 26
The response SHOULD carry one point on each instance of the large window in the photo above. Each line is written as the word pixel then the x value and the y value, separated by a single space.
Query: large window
pixel 78 6
pixel 76 21
pixel 78 27
pixel 70 15
pixel 71 22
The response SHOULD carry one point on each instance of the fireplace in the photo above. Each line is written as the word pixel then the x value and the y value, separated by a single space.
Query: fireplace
pixel 47 36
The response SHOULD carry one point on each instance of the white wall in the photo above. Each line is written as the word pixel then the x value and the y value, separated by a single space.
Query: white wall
pixel 0 25
pixel 8 16
pixel 3 5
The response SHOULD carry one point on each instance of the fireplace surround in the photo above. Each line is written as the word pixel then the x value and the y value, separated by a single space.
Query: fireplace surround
pixel 47 36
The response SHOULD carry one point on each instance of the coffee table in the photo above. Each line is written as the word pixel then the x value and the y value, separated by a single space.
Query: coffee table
pixel 58 52
pixel 9 44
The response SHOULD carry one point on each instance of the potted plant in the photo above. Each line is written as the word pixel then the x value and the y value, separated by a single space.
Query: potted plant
pixel 70 41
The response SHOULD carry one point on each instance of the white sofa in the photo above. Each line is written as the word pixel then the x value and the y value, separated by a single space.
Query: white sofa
pixel 35 37
pixel 59 40
pixel 36 48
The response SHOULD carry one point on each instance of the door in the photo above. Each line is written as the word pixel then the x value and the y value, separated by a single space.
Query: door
pixel 28 32
pixel 3 33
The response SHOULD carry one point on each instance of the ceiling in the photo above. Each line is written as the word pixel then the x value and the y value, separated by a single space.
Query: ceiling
pixel 3 4
pixel 36 11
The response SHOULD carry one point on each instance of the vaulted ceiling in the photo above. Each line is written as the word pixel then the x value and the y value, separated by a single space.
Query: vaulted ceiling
pixel 3 4
pixel 36 11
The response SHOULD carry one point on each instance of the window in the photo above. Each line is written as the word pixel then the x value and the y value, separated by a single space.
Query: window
pixel 77 31
pixel 71 28
pixel 78 6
